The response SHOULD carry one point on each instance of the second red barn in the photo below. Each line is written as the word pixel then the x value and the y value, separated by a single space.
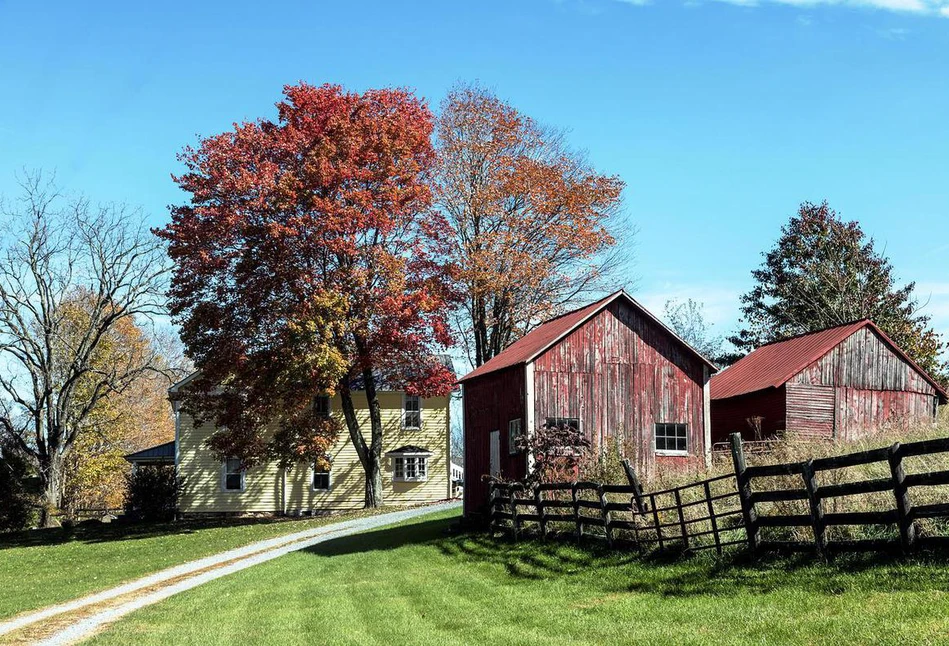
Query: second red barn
pixel 611 369
pixel 838 383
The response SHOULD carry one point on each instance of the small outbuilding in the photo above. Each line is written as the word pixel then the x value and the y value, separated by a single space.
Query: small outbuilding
pixel 839 383
pixel 610 369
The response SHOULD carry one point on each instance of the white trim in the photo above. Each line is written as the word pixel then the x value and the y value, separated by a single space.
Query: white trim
pixel 707 414
pixel 676 454
pixel 529 408
pixel 420 408
pixel 670 452
pixel 224 488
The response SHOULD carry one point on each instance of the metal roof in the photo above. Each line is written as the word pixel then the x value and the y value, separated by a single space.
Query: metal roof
pixel 541 338
pixel 770 366
pixel 161 453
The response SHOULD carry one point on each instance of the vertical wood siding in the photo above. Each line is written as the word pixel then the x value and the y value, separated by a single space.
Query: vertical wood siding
pixel 862 385
pixel 620 373
pixel 490 402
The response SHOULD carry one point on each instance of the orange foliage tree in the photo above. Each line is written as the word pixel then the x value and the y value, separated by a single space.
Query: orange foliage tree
pixel 533 223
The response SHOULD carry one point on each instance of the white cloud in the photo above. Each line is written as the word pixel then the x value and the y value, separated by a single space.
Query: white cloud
pixel 922 7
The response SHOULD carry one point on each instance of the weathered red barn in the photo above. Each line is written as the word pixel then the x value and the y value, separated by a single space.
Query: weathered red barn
pixel 842 382
pixel 611 368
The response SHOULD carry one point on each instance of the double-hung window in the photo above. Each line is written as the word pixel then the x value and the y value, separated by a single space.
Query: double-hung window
pixel 514 431
pixel 410 464
pixel 672 439
pixel 233 478
pixel 321 406
pixel 412 412
pixel 321 480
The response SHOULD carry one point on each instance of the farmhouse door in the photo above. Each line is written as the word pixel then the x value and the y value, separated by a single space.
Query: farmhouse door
pixel 496 453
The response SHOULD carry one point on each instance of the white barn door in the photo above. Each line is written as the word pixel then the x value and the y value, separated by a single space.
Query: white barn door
pixel 496 453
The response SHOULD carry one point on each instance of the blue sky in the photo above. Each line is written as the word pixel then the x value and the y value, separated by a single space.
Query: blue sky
pixel 720 116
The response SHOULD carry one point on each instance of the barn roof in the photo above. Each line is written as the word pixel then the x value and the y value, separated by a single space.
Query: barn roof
pixel 541 338
pixel 771 365
pixel 160 453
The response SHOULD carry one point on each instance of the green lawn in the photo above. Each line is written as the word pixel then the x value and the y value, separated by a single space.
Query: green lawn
pixel 416 584
pixel 43 567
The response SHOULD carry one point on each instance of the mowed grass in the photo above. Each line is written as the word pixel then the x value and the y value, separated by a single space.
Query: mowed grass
pixel 417 583
pixel 43 567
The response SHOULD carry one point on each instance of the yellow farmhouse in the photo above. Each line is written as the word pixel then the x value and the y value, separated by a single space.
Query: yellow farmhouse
pixel 416 466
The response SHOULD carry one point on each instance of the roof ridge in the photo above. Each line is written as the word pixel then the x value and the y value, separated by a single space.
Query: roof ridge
pixel 800 335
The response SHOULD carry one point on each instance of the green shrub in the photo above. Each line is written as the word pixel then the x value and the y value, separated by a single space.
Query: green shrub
pixel 17 507
pixel 152 493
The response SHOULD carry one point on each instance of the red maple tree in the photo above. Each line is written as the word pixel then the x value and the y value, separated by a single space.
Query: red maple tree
pixel 309 261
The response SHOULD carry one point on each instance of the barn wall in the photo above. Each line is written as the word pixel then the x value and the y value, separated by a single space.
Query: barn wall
pixel 490 402
pixel 859 386
pixel 731 415
pixel 620 373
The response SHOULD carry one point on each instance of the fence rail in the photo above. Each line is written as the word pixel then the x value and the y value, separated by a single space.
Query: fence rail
pixel 733 509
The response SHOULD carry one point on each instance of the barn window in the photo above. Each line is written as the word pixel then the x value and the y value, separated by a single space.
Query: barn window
pixel 411 412
pixel 321 480
pixel 514 431
pixel 321 406
pixel 233 475
pixel 563 422
pixel 672 439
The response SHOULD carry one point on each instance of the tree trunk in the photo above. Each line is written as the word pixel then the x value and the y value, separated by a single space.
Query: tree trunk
pixel 370 454
pixel 51 485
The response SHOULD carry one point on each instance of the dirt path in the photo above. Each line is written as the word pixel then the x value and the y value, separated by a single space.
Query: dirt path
pixel 76 620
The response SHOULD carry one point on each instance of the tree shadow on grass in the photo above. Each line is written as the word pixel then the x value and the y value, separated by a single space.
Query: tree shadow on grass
pixel 668 574
pixel 96 532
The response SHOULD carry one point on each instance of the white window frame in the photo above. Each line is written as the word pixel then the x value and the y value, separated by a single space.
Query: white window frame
pixel 515 428
pixel 396 457
pixel 224 474
pixel 329 479
pixel 405 399
pixel 329 405
pixel 673 452
pixel 562 421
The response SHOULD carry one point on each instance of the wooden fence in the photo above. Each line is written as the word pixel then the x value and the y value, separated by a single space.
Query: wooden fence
pixel 735 509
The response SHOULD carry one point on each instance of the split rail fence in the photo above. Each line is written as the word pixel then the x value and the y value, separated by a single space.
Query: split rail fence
pixel 798 501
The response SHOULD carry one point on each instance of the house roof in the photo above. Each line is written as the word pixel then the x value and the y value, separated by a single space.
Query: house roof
pixel 543 337
pixel 160 453
pixel 771 365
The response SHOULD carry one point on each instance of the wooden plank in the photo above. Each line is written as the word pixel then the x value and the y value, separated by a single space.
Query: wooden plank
pixel 576 513
pixel 541 512
pixel 605 514
pixel 855 488
pixel 925 447
pixel 779 495
pixel 766 470
pixel 850 459
pixel 682 525
pixel 931 479
pixel 791 520
pixel 937 510
pixel 655 518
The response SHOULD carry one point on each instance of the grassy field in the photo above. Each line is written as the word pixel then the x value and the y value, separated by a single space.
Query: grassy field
pixel 43 567
pixel 419 584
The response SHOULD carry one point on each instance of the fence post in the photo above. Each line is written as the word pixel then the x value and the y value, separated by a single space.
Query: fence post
pixel 904 508
pixel 605 514
pixel 576 512
pixel 817 511
pixel 682 525
pixel 711 517
pixel 492 494
pixel 634 483
pixel 744 492
pixel 515 521
pixel 539 503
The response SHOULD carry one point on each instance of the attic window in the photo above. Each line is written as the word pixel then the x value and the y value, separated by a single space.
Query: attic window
pixel 672 439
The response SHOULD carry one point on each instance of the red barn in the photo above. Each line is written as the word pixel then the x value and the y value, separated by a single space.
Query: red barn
pixel 842 382
pixel 611 369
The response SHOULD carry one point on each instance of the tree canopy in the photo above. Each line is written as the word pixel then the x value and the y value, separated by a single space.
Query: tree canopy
pixel 824 271
pixel 308 257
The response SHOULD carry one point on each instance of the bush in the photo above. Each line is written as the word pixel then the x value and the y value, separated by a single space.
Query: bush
pixel 152 492
pixel 17 508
